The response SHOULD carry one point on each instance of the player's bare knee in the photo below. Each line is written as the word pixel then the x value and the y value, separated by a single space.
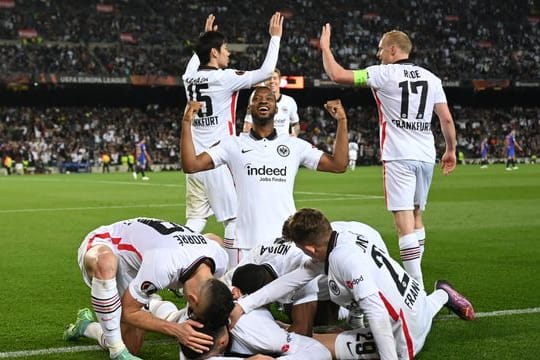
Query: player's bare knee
pixel 100 262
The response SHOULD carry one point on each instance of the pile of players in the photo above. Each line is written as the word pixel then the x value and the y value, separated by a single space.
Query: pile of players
pixel 270 251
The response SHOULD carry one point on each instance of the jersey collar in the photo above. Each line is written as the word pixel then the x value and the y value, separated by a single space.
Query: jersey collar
pixel 404 61
pixel 331 246
pixel 185 275
pixel 206 67
pixel 256 136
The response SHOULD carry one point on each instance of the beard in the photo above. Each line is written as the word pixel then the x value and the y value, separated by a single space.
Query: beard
pixel 262 121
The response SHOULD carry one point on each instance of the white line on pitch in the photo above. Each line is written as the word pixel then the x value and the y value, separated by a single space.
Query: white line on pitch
pixel 76 349
pixel 70 349
pixel 497 313
pixel 90 208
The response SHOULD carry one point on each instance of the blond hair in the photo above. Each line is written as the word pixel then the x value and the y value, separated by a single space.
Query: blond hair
pixel 399 39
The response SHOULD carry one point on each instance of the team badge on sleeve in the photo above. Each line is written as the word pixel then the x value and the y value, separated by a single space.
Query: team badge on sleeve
pixel 333 287
pixel 148 288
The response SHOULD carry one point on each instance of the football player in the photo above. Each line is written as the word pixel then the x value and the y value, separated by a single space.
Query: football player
pixel 264 165
pixel 406 95
pixel 361 275
pixel 126 262
pixel 208 80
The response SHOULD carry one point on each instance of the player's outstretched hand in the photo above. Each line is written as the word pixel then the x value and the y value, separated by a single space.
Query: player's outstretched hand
pixel 448 162
pixel 192 108
pixel 276 24
pixel 324 41
pixel 335 108
pixel 209 25
pixel 187 334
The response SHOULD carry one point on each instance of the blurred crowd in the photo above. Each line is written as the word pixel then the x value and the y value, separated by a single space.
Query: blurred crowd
pixel 458 40
pixel 54 136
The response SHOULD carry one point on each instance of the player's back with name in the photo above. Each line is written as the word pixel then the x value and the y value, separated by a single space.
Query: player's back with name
pixel 148 233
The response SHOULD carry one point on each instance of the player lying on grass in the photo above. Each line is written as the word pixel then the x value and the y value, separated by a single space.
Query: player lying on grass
pixel 126 262
pixel 362 276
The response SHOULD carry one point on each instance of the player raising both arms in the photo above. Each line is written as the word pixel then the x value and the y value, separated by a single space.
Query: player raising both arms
pixel 264 166
pixel 406 96
pixel 207 80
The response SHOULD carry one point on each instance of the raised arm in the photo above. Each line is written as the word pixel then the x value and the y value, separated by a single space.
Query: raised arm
pixel 448 160
pixel 270 61
pixel 335 71
pixel 338 161
pixel 192 163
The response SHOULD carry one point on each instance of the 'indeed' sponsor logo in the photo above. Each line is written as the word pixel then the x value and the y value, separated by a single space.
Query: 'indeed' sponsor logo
pixel 264 170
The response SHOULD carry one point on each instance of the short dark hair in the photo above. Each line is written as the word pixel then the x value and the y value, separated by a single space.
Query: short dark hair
pixel 215 333
pixel 208 41
pixel 218 306
pixel 307 226
pixel 251 277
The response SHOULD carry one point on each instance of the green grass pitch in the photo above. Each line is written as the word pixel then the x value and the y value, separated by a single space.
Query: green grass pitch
pixel 483 234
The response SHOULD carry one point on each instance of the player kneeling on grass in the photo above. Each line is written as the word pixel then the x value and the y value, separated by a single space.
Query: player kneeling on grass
pixel 362 276
pixel 125 263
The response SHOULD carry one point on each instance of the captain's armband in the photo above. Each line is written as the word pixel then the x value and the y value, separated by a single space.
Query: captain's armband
pixel 360 77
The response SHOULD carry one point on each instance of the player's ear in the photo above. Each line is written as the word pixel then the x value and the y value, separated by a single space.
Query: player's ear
pixel 236 293
pixel 310 249
pixel 192 299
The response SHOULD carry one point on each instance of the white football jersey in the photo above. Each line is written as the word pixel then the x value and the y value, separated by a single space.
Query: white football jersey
pixel 258 333
pixel 286 115
pixel 358 268
pixel 218 89
pixel 406 95
pixel 155 254
pixel 264 170
pixel 291 280
pixel 280 257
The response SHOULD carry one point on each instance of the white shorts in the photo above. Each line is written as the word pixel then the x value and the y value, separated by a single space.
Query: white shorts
pixel 356 344
pixel 211 192
pixel 125 272
pixel 406 184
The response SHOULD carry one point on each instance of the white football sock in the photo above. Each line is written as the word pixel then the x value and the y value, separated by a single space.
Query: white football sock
pixel 409 252
pixel 94 331
pixel 228 242
pixel 421 236
pixel 108 308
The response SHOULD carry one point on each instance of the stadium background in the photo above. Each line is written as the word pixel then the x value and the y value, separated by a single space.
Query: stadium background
pixel 97 75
